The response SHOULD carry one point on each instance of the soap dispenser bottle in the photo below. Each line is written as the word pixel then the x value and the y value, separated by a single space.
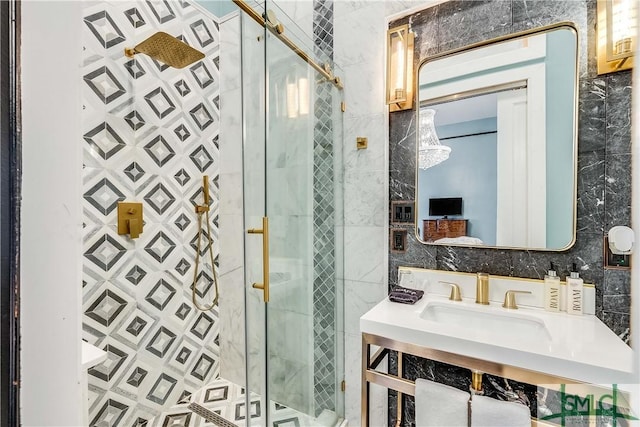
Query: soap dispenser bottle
pixel 574 292
pixel 551 290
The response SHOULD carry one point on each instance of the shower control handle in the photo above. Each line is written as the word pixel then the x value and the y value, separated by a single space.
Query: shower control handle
pixel 265 257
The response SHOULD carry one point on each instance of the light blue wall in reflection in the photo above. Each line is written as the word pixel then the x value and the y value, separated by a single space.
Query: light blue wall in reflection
pixel 561 89
pixel 219 8
pixel 470 173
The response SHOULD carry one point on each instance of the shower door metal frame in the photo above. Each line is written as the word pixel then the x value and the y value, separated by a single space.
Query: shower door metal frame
pixel 10 189
pixel 275 31
pixel 278 31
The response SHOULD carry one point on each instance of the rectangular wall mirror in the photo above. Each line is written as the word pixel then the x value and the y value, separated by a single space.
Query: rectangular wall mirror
pixel 497 143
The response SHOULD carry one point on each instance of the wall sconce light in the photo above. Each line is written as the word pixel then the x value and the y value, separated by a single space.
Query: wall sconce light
pixel 616 34
pixel 400 68
pixel 297 98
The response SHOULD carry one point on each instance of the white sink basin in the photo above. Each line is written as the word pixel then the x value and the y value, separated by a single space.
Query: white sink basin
pixel 579 348
pixel 484 319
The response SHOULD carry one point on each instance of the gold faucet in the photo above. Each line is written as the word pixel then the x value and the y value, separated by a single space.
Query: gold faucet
pixel 455 291
pixel 482 289
pixel 510 299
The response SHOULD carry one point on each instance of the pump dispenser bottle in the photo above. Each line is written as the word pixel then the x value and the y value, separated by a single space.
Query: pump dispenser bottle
pixel 574 292
pixel 552 290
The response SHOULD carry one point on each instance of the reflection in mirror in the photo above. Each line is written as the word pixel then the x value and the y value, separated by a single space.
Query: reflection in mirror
pixel 497 135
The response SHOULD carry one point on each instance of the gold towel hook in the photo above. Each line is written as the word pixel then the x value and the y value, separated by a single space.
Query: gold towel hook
pixel 204 209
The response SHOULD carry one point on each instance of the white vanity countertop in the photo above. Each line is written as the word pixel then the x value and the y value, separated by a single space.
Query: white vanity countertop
pixel 581 348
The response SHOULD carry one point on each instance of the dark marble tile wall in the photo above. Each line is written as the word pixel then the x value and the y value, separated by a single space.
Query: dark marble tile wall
pixel 604 171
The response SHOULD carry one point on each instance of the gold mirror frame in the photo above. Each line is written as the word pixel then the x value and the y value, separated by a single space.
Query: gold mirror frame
pixel 547 28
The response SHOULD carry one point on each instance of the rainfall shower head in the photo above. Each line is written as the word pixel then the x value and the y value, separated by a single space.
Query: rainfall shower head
pixel 167 49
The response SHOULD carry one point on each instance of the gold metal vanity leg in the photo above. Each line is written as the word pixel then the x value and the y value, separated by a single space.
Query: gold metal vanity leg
pixel 399 409
pixel 476 381
pixel 364 414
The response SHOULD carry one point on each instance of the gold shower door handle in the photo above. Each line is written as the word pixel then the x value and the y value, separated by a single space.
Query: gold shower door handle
pixel 265 257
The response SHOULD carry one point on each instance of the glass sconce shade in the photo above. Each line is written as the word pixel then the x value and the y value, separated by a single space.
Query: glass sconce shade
pixel 430 151
pixel 400 68
pixel 617 36
pixel 297 97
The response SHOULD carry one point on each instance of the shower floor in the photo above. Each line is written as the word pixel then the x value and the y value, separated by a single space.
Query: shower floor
pixel 228 400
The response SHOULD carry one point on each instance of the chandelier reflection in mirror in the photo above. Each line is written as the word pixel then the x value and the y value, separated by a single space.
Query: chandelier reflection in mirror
pixel 430 151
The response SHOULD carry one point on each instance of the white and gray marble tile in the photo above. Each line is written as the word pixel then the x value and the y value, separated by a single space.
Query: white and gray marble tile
pixel 378 395
pixel 361 31
pixel 364 247
pixel 374 156
pixel 231 202
pixel 364 203
pixel 364 96
pixel 360 297
pixel 230 53
pixel 231 131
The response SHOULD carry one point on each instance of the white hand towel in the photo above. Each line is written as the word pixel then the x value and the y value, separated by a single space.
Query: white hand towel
pixel 438 405
pixel 488 412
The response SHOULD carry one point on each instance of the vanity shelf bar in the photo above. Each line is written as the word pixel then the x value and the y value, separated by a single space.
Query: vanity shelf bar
pixel 402 385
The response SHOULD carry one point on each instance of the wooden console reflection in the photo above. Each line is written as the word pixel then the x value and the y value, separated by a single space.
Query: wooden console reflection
pixel 434 229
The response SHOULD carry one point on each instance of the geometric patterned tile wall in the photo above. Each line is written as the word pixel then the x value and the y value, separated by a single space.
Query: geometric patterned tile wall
pixel 324 254
pixel 150 134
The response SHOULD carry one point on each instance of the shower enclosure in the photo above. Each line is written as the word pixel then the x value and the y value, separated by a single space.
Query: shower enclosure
pixel 259 119
pixel 292 210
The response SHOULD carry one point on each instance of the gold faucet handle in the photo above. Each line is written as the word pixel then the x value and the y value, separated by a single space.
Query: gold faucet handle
pixel 455 291
pixel 510 299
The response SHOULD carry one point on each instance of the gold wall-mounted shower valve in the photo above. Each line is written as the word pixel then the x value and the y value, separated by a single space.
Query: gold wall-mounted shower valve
pixel 130 219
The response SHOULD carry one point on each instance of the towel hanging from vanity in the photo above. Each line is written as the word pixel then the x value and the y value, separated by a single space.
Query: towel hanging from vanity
pixel 488 412
pixel 439 405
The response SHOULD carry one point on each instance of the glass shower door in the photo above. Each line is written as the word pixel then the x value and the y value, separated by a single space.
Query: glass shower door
pixel 294 345
pixel 289 206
